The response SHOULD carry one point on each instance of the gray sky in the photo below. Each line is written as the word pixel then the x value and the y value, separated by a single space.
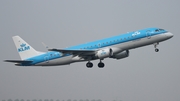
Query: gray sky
pixel 144 76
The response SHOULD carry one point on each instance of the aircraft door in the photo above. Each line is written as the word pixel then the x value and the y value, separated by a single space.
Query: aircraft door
pixel 148 34
pixel 46 59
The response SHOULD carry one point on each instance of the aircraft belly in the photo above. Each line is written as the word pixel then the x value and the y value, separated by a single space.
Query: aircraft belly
pixel 59 61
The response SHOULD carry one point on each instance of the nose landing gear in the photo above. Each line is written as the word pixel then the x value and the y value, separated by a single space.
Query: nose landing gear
pixel 155 46
pixel 156 50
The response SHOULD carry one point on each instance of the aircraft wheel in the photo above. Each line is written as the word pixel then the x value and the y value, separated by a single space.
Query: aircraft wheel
pixel 156 50
pixel 89 65
pixel 100 65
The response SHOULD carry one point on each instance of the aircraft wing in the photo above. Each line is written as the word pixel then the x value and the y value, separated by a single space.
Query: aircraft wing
pixel 18 61
pixel 75 52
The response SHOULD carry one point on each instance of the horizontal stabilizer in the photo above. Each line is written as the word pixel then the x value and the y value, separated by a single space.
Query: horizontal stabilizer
pixel 19 61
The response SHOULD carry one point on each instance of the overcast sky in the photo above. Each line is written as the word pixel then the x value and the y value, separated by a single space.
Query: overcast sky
pixel 144 76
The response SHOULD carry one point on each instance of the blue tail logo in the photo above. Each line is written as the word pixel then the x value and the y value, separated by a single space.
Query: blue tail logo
pixel 23 47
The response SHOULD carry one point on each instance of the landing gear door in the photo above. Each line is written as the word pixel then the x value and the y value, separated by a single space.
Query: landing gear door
pixel 148 34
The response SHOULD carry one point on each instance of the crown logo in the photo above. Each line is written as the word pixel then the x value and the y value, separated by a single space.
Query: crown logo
pixel 23 45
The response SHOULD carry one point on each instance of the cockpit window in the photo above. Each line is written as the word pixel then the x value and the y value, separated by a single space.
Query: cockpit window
pixel 161 29
pixel 157 30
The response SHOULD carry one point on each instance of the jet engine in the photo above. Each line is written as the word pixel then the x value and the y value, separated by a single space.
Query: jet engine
pixel 104 53
pixel 121 55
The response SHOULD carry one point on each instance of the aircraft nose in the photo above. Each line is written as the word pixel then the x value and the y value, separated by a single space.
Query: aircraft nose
pixel 169 35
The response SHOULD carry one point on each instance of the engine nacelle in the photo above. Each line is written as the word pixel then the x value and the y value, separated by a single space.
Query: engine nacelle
pixel 121 55
pixel 104 53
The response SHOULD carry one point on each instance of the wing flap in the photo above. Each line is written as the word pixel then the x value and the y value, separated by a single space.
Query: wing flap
pixel 75 52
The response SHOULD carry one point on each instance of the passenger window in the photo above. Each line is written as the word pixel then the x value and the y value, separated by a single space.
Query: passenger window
pixel 99 45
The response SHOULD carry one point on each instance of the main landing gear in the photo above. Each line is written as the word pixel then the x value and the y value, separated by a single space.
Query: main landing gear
pixel 155 46
pixel 100 64
pixel 90 64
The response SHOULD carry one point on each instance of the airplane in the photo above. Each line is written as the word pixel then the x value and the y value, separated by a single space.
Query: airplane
pixel 116 47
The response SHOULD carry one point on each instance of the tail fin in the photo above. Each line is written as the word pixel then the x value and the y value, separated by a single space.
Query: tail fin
pixel 24 49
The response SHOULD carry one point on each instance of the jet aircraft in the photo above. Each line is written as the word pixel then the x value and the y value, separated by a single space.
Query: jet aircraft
pixel 116 47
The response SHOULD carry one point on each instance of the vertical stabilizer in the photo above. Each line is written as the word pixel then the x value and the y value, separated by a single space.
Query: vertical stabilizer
pixel 24 49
